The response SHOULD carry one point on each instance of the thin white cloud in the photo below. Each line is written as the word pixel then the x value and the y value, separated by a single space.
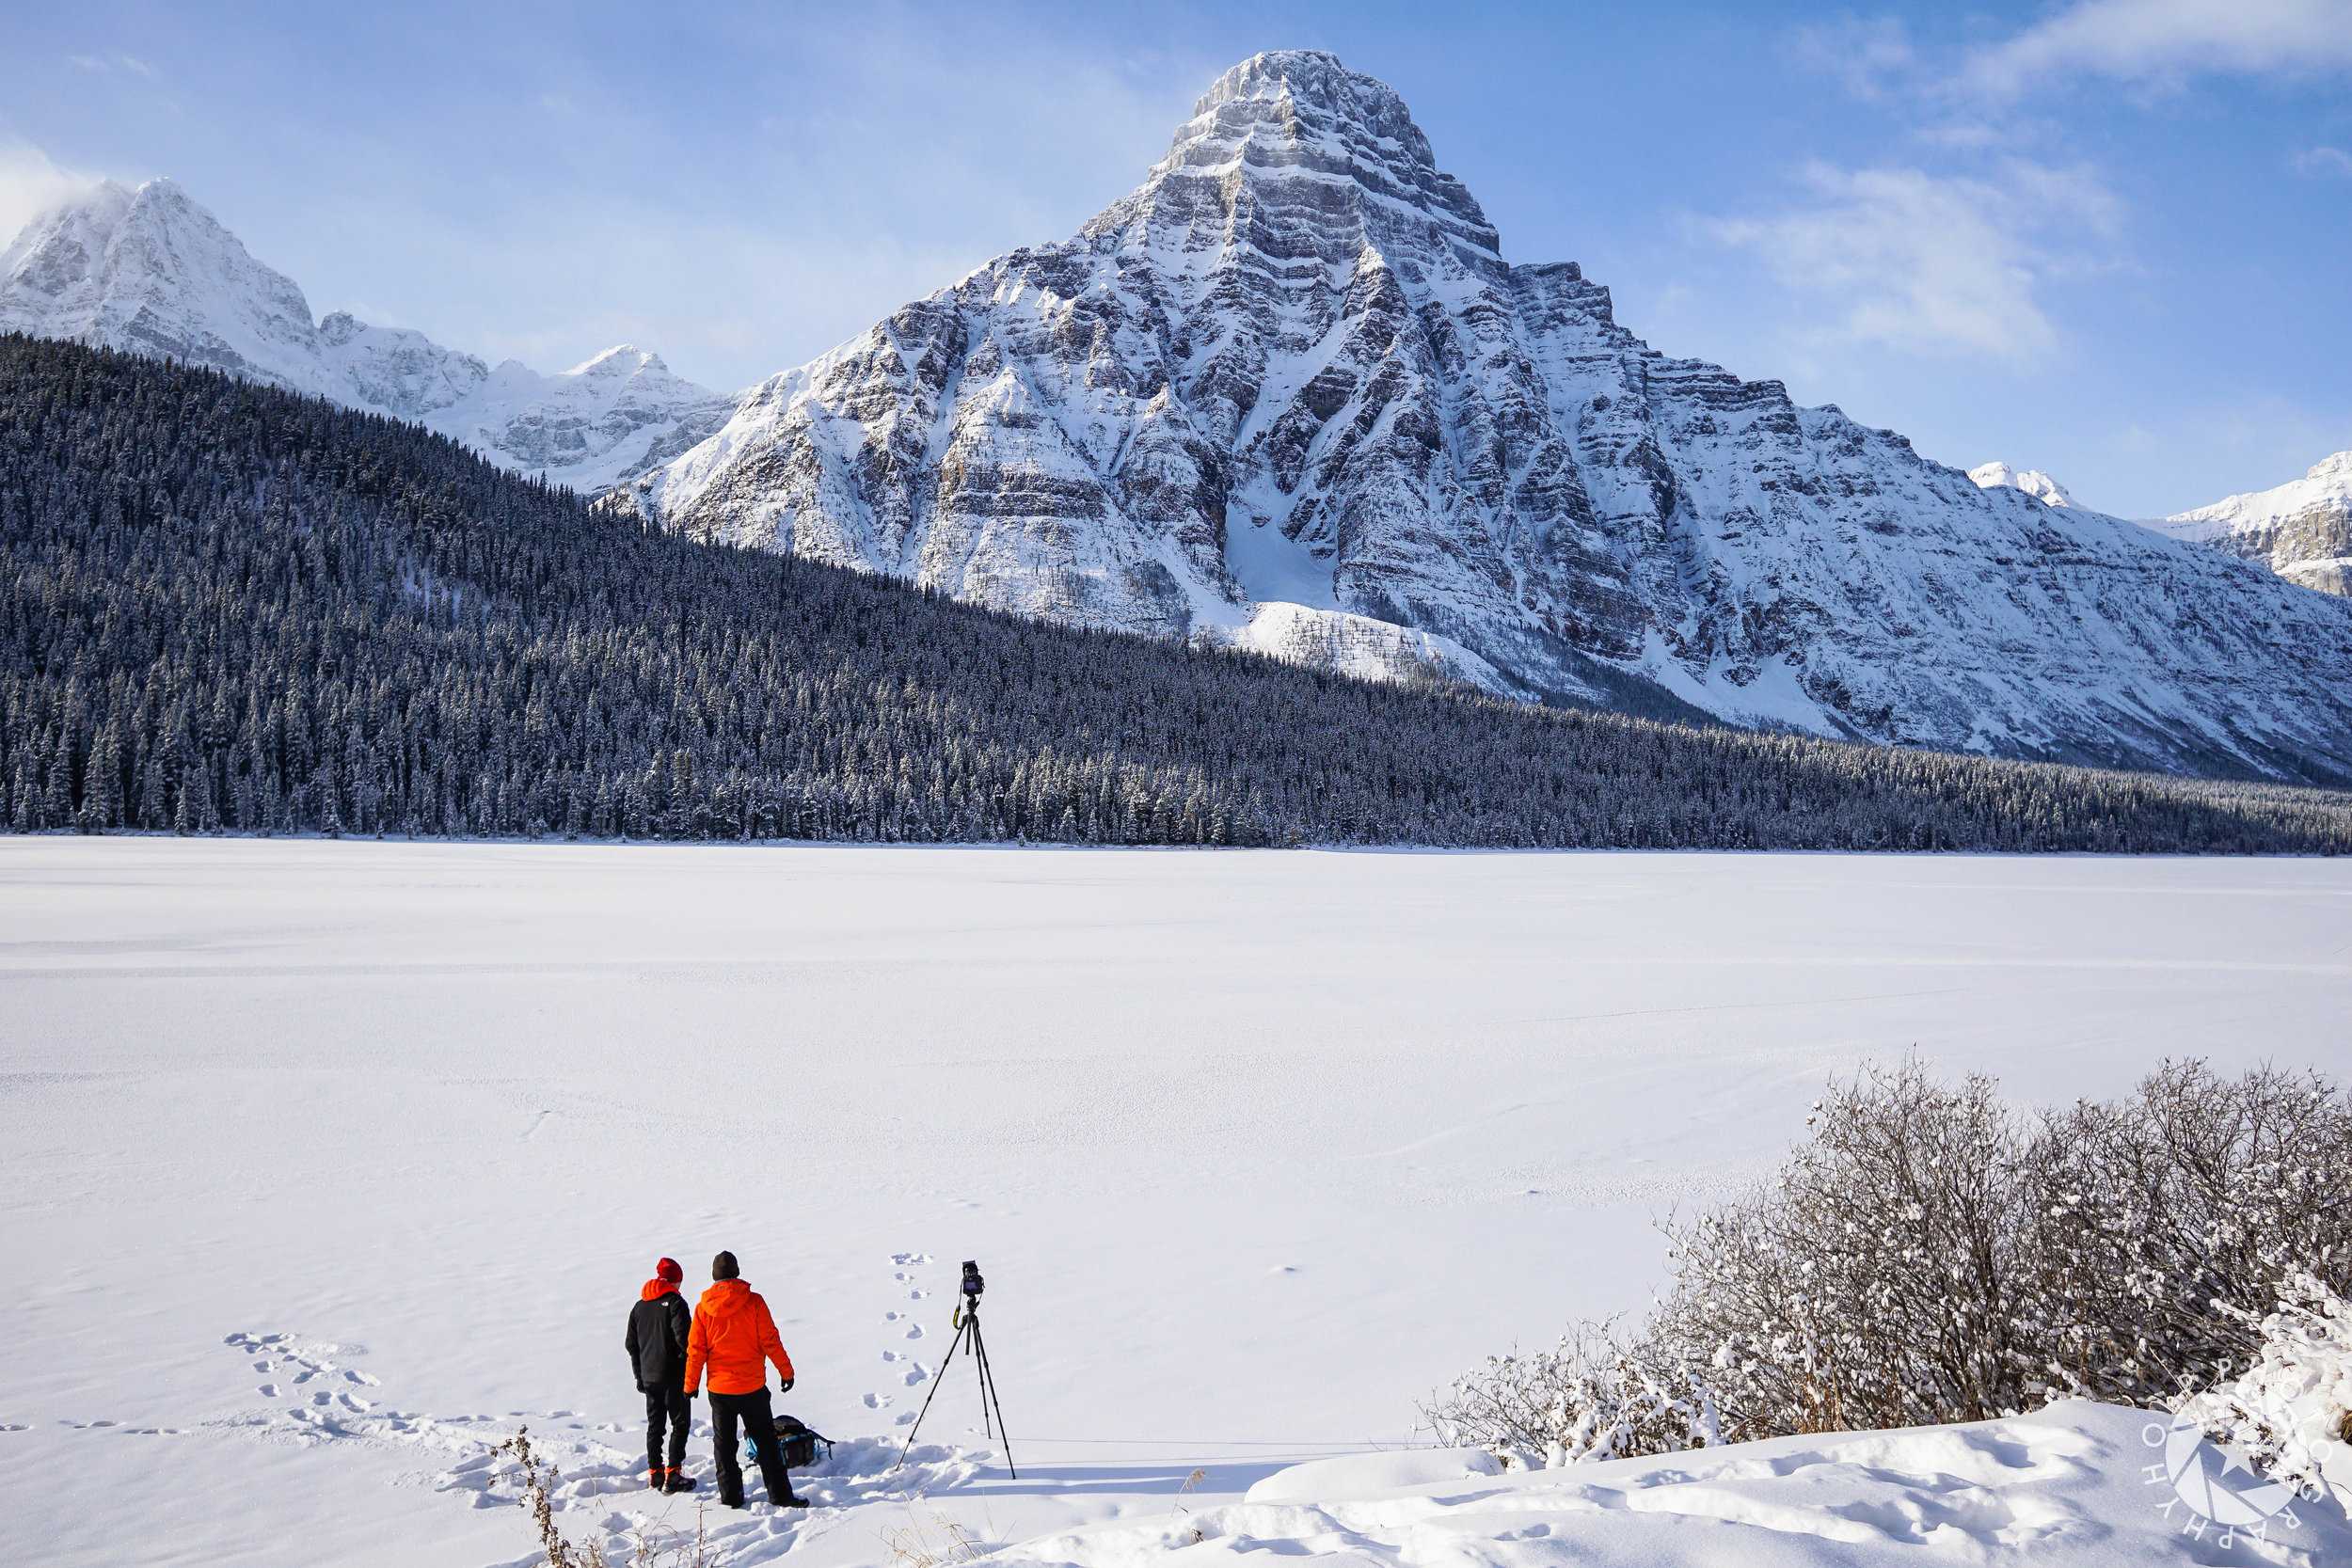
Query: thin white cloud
pixel 124 62
pixel 1868 56
pixel 1965 134
pixel 1952 251
pixel 31 185
pixel 2169 40
pixel 1932 264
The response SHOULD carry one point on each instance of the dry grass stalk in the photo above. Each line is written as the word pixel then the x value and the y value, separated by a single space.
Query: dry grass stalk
pixel 931 1539
pixel 538 1480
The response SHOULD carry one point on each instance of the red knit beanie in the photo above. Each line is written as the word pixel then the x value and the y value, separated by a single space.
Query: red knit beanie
pixel 668 1272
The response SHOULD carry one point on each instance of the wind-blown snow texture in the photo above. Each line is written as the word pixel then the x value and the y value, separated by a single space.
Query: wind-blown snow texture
pixel 2302 530
pixel 151 272
pixel 1293 367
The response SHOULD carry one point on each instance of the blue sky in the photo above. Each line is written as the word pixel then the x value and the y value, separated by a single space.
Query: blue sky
pixel 2107 238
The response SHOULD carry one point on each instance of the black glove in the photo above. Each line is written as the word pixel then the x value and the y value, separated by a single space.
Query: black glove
pixel 785 1386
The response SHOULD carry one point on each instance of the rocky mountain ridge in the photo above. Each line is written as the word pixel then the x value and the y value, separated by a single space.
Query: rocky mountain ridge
pixel 1293 370
pixel 152 272
pixel 2301 529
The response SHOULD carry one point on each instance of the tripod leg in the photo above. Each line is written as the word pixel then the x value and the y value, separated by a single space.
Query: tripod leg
pixel 970 1330
pixel 979 1359
pixel 988 1387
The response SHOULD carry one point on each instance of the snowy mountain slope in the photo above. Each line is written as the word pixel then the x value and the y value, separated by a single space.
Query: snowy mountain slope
pixel 151 272
pixel 2041 486
pixel 597 424
pixel 2302 530
pixel 1293 367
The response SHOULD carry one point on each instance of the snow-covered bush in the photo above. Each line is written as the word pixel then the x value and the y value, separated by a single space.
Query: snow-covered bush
pixel 2169 1222
pixel 1930 1255
pixel 2291 1413
pixel 1591 1397
pixel 1881 1280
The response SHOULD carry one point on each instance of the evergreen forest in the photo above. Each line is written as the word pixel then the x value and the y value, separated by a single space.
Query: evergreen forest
pixel 230 608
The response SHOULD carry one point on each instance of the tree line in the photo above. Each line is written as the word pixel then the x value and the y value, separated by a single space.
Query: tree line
pixel 230 608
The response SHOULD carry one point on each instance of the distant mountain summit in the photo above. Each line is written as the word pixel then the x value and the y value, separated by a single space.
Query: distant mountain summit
pixel 2302 530
pixel 1288 394
pixel 2033 481
pixel 151 272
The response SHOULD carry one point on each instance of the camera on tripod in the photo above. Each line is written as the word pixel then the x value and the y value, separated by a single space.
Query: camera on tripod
pixel 967 1320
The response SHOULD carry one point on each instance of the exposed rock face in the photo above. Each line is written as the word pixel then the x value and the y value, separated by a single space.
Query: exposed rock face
pixel 2302 530
pixel 1293 368
pixel 2041 486
pixel 151 272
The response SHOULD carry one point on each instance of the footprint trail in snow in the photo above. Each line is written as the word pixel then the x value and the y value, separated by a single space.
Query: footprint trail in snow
pixel 898 1324
pixel 599 1492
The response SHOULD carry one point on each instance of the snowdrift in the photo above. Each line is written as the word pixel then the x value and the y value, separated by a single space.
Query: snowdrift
pixel 2076 1483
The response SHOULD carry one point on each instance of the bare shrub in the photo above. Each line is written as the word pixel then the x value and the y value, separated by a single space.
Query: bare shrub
pixel 1880 1282
pixel 1930 1255
pixel 1593 1397
pixel 2173 1220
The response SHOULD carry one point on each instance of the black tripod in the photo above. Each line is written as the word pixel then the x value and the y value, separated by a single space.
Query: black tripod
pixel 967 1321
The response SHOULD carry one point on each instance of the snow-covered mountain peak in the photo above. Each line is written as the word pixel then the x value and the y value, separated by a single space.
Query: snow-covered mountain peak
pixel 67 242
pixel 2327 483
pixel 151 271
pixel 2302 529
pixel 2336 470
pixel 621 359
pixel 1297 128
pixel 1287 394
pixel 2041 486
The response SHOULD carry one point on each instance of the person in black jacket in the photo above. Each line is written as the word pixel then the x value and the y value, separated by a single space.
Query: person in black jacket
pixel 658 1328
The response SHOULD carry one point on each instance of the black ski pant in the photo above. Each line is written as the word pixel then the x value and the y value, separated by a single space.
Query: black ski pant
pixel 666 1407
pixel 759 1423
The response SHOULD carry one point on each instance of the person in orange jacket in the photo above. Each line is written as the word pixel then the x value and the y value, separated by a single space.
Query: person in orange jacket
pixel 735 1336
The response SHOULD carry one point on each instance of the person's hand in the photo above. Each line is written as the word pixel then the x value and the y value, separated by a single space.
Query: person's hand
pixel 785 1387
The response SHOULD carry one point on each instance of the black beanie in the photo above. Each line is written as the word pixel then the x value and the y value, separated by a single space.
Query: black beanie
pixel 724 1267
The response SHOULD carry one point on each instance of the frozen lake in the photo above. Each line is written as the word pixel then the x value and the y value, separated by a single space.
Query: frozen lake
pixel 1255 1148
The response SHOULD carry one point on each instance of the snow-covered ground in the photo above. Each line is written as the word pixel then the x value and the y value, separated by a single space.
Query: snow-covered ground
pixel 327 1164
pixel 2059 1486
